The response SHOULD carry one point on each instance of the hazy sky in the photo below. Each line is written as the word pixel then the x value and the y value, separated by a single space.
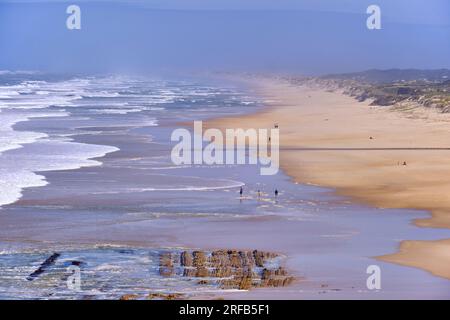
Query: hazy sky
pixel 298 36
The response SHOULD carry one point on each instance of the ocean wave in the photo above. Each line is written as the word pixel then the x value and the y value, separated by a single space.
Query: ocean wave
pixel 87 99
pixel 192 188
pixel 10 139
pixel 116 111
pixel 18 168
pixel 32 99
pixel 18 72
pixel 100 94
pixel 170 167
pixel 230 184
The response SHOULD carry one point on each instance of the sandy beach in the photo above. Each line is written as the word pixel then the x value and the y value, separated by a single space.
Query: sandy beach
pixel 381 156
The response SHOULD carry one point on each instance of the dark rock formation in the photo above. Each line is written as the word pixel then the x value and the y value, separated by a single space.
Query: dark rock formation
pixel 165 296
pixel 129 297
pixel 165 264
pixel 186 259
pixel 228 269
pixel 199 258
pixel 44 266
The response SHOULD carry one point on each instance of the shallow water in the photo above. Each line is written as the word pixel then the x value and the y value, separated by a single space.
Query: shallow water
pixel 106 272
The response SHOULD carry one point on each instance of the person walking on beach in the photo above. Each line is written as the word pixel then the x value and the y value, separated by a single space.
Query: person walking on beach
pixel 276 193
pixel 241 191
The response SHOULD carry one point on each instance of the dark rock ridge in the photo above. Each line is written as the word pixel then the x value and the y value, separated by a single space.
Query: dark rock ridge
pixel 225 269
pixel 44 266
pixel 229 269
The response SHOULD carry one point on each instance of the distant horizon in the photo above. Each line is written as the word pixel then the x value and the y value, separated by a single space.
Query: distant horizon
pixel 295 37
pixel 203 72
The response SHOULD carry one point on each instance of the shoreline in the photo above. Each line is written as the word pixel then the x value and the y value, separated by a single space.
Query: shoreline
pixel 331 140
pixel 307 240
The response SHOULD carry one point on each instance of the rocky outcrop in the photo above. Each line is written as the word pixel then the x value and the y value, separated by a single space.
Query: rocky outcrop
pixel 227 269
pixel 44 266
pixel 129 297
pixel 186 259
pixel 164 296
pixel 165 264
pixel 276 278
pixel 218 269
pixel 153 296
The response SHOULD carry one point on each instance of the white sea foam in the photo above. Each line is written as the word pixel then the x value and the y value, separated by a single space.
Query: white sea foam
pixel 10 139
pixel 101 94
pixel 23 102
pixel 22 153
pixel 18 167
pixel 194 188
pixel 220 184
pixel 116 111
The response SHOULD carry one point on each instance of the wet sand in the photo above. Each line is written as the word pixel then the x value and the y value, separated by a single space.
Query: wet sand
pixel 326 241
pixel 329 139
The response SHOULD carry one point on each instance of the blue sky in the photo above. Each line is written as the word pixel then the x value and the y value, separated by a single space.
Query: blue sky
pixel 294 36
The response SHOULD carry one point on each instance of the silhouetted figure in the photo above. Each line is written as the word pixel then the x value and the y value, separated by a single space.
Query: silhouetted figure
pixel 276 192
pixel 241 191
pixel 404 163
pixel 259 193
